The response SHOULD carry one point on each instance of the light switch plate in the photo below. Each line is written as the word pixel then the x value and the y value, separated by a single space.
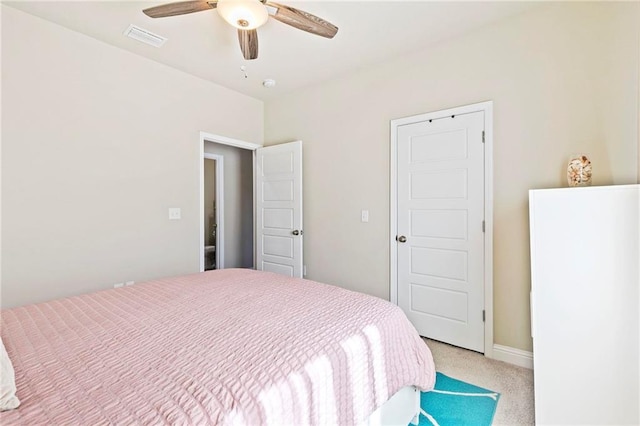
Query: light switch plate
pixel 174 213
pixel 365 215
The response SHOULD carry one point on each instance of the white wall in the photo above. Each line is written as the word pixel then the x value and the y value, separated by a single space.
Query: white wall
pixel 545 74
pixel 619 86
pixel 238 204
pixel 97 144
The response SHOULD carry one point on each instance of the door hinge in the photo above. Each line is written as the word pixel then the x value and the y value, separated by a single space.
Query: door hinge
pixel 483 226
pixel 483 136
pixel 483 315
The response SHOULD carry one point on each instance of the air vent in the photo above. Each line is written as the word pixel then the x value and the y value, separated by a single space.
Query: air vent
pixel 144 36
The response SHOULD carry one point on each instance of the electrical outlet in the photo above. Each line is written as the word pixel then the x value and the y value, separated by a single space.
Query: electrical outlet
pixel 118 285
pixel 129 283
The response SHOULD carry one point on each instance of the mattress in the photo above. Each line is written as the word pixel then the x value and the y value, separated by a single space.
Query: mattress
pixel 232 346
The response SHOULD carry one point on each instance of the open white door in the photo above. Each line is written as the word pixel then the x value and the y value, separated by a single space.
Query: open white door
pixel 278 175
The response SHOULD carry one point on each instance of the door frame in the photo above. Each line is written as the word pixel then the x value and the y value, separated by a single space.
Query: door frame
pixel 487 108
pixel 223 140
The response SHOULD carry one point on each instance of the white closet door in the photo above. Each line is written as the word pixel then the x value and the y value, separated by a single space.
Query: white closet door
pixel 440 228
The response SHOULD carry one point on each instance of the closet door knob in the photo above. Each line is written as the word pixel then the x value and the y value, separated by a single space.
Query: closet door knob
pixel 296 232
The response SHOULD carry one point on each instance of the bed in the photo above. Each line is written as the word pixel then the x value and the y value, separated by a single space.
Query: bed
pixel 233 346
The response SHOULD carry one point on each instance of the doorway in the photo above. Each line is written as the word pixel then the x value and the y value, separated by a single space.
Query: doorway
pixel 213 235
pixel 441 224
pixel 269 188
pixel 231 208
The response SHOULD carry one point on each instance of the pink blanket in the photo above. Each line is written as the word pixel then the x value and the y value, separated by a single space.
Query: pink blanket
pixel 220 347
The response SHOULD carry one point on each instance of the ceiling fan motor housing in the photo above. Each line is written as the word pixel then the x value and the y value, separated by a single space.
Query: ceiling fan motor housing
pixel 243 14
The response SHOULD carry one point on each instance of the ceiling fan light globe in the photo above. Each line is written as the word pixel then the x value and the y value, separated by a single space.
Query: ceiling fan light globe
pixel 243 14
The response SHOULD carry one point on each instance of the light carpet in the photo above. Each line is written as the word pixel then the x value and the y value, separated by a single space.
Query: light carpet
pixel 515 384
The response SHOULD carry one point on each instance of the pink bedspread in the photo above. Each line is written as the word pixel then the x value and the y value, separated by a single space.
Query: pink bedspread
pixel 220 347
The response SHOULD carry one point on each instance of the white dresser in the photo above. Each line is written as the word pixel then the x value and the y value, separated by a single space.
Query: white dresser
pixel 585 304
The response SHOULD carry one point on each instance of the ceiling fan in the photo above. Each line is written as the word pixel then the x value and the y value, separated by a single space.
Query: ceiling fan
pixel 246 16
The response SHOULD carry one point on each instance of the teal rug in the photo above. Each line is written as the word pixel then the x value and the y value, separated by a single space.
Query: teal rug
pixel 454 402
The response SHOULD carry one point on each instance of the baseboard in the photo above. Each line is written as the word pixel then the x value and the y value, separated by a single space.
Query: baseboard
pixel 513 356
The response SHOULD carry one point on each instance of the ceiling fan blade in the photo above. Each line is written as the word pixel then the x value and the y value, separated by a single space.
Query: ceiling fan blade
pixel 303 21
pixel 179 8
pixel 248 43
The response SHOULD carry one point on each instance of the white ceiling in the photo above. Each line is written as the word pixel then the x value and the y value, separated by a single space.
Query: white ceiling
pixel 204 45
